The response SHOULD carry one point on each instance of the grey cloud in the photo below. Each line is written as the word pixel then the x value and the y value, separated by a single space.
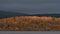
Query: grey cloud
pixel 31 6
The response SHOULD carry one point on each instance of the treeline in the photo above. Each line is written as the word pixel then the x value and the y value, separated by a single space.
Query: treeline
pixel 30 23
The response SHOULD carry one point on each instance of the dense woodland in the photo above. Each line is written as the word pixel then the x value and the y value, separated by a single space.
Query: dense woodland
pixel 30 23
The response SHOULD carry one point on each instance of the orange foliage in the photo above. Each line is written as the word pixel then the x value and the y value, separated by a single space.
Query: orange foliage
pixel 30 23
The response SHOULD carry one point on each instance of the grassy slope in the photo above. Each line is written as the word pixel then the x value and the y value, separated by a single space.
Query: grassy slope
pixel 30 23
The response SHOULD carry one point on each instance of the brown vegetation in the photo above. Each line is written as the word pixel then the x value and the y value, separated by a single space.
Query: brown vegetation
pixel 30 23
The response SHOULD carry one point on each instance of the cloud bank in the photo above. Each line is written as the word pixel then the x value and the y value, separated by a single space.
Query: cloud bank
pixel 31 6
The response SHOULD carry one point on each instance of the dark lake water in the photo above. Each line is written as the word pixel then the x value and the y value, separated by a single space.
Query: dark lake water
pixel 31 6
pixel 27 32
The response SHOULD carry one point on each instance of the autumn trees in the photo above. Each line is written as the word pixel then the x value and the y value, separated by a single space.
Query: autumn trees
pixel 30 23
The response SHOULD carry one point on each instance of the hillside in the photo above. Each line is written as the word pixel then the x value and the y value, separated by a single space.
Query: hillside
pixel 6 14
pixel 30 23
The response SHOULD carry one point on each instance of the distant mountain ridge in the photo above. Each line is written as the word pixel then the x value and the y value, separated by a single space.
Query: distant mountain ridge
pixel 52 15
pixel 5 14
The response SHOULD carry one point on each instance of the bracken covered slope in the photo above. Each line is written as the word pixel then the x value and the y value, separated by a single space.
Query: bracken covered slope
pixel 30 23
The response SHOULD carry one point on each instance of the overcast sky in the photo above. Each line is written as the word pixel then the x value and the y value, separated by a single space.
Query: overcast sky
pixel 31 6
